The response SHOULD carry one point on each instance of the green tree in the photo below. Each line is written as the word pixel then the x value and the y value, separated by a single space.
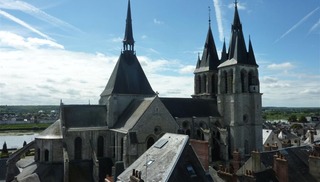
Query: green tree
pixel 292 118
pixel 302 119
pixel 4 152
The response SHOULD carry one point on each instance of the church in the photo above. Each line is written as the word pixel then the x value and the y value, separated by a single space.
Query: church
pixel 224 110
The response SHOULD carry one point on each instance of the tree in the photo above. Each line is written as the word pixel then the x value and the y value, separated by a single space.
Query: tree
pixel 303 119
pixel 292 118
pixel 5 152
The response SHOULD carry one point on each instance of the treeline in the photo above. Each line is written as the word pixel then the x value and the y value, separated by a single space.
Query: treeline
pixel 289 113
pixel 27 109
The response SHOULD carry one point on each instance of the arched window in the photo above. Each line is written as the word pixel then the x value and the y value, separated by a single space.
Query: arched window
pixel 225 76
pixel 244 86
pixel 213 84
pixel 100 146
pixel 150 142
pixel 78 148
pixel 46 155
pixel 38 154
pixel 199 84
pixel 204 89
pixel 188 132
pixel 230 81
pixel 246 147
pixel 121 149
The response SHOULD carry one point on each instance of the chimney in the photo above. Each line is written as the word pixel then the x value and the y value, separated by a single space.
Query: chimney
pixel 201 148
pixel 275 162
pixel 236 160
pixel 282 169
pixel 256 162
pixel 267 147
pixel 311 136
pixel 314 165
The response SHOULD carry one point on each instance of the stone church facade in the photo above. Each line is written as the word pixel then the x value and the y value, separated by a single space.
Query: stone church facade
pixel 224 110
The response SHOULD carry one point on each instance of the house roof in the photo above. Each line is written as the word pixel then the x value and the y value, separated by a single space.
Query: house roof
pixel 297 158
pixel 265 135
pixel 189 107
pixel 82 116
pixel 132 114
pixel 169 159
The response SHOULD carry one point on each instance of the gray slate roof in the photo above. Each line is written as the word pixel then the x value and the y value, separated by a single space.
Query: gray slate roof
pixel 84 115
pixel 128 77
pixel 132 114
pixel 209 60
pixel 188 107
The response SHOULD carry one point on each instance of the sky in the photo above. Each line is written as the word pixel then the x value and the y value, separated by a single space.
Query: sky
pixel 66 50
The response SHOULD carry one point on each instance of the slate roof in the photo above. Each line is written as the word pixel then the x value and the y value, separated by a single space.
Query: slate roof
pixel 209 60
pixel 84 115
pixel 128 77
pixel 189 107
pixel 297 158
pixel 168 160
pixel 132 114
pixel 52 132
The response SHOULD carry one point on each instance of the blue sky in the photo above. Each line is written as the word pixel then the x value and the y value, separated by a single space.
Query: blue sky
pixel 63 49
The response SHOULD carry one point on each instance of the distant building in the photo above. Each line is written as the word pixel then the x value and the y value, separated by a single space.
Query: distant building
pixel 225 111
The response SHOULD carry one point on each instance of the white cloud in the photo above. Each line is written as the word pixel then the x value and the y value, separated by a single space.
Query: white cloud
pixel 24 24
pixel 239 6
pixel 315 26
pixel 11 40
pixel 117 39
pixel 158 22
pixel 37 13
pixel 282 66
pixel 219 18
pixel 187 69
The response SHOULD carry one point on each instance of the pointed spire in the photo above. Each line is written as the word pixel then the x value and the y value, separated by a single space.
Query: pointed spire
pixel 224 55
pixel 237 46
pixel 251 57
pixel 128 41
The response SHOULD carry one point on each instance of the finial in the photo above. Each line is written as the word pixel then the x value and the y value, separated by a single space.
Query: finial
pixel 235 3
pixel 209 9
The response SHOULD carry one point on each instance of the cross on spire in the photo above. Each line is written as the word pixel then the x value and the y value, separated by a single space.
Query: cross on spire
pixel 209 9
pixel 235 3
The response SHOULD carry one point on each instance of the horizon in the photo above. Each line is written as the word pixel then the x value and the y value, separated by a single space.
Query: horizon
pixel 53 51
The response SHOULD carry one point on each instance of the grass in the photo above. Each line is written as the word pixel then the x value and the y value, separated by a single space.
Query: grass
pixel 22 126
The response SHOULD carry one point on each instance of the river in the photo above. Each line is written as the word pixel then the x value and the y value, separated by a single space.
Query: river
pixel 15 139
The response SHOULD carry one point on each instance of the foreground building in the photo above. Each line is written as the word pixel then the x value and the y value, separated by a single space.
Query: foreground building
pixel 87 140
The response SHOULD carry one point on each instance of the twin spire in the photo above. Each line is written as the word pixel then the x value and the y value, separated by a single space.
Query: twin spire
pixel 237 47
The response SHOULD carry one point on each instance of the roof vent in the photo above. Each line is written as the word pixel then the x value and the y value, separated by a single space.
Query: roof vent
pixel 160 143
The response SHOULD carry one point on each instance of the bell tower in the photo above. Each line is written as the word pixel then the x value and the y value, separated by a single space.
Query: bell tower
pixel 239 97
pixel 206 72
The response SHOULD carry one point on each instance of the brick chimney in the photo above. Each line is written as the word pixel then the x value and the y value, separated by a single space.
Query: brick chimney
pixel 311 136
pixel 256 162
pixel 314 165
pixel 281 168
pixel 236 160
pixel 201 148
pixel 267 147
